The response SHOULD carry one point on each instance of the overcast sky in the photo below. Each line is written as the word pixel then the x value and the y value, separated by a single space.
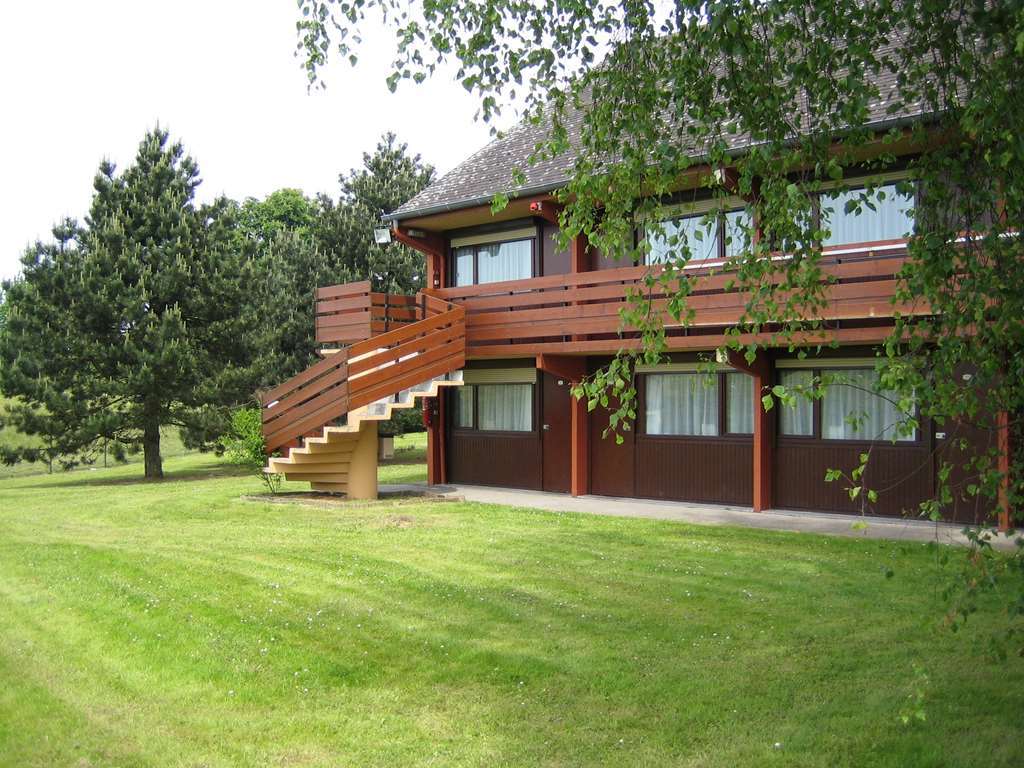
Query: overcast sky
pixel 84 80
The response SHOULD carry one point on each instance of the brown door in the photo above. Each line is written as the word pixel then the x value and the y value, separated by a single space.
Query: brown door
pixel 556 433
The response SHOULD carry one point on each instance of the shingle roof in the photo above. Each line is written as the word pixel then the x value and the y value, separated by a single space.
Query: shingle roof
pixel 488 171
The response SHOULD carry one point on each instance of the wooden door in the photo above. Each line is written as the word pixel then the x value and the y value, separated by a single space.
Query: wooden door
pixel 556 432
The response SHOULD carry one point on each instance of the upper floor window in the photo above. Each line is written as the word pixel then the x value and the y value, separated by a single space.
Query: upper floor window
pixel 493 262
pixel 719 237
pixel 858 216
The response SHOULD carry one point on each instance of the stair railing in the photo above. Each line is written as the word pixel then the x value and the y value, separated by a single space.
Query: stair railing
pixel 430 341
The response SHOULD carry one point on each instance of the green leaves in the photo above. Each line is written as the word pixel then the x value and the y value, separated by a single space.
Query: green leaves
pixel 134 321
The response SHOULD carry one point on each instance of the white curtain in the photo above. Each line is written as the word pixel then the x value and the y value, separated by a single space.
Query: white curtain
pixel 685 231
pixel 464 407
pixel 739 231
pixel 797 419
pixel 851 397
pixel 505 261
pixel 505 407
pixel 682 404
pixel 890 220
pixel 740 403
pixel 464 266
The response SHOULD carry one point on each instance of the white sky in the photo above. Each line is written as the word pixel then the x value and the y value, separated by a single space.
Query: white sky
pixel 84 80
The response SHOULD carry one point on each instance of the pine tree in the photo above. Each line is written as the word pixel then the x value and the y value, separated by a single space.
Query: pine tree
pixel 344 230
pixel 134 321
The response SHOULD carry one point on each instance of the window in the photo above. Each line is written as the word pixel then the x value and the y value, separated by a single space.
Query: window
pixel 494 407
pixel 739 410
pixel 681 404
pixel 493 262
pixel 464 265
pixel 739 230
pixel 851 410
pixel 505 407
pixel 464 399
pixel 891 218
pixel 797 420
pixel 715 239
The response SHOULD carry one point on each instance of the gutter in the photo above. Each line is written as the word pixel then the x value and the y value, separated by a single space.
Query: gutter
pixel 549 187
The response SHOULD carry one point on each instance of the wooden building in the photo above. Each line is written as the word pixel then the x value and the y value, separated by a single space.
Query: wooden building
pixel 508 322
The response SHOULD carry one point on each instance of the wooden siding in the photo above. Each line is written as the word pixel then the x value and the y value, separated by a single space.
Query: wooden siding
pixel 712 470
pixel 611 465
pixel 509 460
pixel 579 313
pixel 902 474
pixel 554 260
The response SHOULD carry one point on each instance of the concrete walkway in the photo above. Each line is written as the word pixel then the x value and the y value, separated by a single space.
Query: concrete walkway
pixel 831 524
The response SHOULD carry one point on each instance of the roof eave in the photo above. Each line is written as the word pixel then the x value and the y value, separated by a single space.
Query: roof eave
pixel 550 187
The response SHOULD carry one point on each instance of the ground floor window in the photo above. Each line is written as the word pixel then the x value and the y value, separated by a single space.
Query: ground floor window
pixel 681 404
pixel 851 407
pixel 797 419
pixel 739 409
pixel 494 407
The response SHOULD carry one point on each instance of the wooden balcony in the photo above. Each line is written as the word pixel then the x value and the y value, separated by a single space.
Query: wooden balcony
pixel 580 313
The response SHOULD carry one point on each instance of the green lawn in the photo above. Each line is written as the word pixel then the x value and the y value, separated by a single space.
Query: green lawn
pixel 174 624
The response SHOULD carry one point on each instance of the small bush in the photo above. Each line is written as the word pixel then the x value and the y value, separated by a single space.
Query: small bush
pixel 243 445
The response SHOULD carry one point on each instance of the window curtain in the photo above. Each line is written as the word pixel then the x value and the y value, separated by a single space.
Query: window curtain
pixel 685 231
pixel 505 407
pixel 739 229
pixel 890 220
pixel 505 261
pixel 797 419
pixel 876 417
pixel 682 404
pixel 464 266
pixel 464 407
pixel 740 403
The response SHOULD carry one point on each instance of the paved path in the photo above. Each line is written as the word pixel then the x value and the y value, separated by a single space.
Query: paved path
pixel 712 514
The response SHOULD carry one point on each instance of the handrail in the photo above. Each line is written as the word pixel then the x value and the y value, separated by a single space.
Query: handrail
pixel 353 312
pixel 583 310
pixel 370 369
pixel 311 399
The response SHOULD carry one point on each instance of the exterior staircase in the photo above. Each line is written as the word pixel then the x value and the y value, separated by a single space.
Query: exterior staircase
pixel 324 420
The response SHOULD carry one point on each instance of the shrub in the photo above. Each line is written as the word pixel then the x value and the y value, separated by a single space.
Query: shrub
pixel 243 445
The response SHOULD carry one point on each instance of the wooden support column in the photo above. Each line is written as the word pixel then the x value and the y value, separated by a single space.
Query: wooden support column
pixel 1003 465
pixel 434 413
pixel 579 254
pixel 579 482
pixel 764 426
pixel 573 370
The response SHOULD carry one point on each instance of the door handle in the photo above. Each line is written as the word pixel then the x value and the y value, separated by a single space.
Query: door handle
pixel 546 427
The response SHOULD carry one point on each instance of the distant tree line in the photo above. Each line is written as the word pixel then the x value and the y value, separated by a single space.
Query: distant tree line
pixel 157 311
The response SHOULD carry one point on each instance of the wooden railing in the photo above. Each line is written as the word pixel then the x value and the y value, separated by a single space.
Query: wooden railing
pixel 580 312
pixel 429 345
pixel 352 312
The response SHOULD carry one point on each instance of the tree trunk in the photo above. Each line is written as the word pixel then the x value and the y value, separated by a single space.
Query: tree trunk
pixel 151 449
